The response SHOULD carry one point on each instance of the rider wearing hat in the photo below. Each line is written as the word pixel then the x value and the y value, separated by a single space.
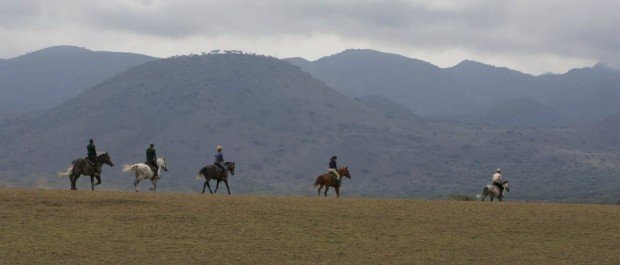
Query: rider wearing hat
pixel 219 158
pixel 333 168
pixel 497 180
pixel 151 159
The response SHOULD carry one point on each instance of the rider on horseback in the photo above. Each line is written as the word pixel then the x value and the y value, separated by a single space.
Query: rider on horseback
pixel 497 181
pixel 219 159
pixel 333 168
pixel 151 159
pixel 92 154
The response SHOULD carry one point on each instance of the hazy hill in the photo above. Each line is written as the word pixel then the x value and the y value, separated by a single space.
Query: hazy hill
pixel 469 88
pixel 605 133
pixel 522 112
pixel 43 79
pixel 278 122
pixel 281 125
pixel 409 82
pixel 387 107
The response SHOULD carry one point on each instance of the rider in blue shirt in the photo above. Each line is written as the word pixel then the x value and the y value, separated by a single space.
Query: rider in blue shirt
pixel 219 158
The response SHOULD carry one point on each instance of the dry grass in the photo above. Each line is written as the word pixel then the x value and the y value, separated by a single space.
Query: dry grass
pixel 45 226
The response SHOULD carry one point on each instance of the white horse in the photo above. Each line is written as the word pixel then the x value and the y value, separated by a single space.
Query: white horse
pixel 143 171
pixel 493 191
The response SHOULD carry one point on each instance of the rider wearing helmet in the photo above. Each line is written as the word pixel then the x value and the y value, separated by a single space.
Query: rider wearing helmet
pixel 219 159
pixel 497 180
pixel 333 168
pixel 151 159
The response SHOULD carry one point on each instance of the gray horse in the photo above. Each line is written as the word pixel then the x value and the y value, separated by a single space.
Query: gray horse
pixel 492 191
pixel 212 172
pixel 84 167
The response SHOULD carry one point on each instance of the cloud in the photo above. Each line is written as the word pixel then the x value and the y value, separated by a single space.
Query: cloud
pixel 533 36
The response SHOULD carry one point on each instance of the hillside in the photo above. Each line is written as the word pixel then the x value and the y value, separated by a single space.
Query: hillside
pixel 46 226
pixel 281 125
pixel 43 79
pixel 522 112
pixel 469 88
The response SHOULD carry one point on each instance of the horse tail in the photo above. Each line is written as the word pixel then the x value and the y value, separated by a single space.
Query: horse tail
pixel 199 175
pixel 66 173
pixel 129 168
pixel 318 181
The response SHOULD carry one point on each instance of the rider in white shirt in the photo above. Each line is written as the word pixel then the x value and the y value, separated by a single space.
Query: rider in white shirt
pixel 497 180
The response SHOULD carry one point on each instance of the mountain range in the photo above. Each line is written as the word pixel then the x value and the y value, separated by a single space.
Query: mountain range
pixel 43 79
pixel 470 90
pixel 281 124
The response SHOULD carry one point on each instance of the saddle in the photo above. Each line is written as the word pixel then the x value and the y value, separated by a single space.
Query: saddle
pixel 94 165
pixel 218 171
pixel 151 166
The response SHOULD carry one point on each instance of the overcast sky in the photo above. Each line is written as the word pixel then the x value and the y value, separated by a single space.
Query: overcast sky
pixel 531 36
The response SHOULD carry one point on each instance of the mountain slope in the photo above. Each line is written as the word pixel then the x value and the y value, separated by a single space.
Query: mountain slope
pixel 281 125
pixel 43 79
pixel 408 82
pixel 456 93
pixel 523 112
pixel 278 122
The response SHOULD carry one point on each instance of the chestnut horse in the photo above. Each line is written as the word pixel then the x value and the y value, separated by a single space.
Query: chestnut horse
pixel 328 180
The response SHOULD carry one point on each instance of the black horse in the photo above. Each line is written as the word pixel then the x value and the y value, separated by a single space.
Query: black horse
pixel 84 167
pixel 214 172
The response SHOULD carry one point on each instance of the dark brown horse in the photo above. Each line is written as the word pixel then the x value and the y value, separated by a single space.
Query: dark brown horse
pixel 213 172
pixel 329 180
pixel 84 167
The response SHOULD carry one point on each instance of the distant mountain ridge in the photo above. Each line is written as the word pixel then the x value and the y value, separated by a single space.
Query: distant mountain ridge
pixel 281 125
pixel 43 79
pixel 468 88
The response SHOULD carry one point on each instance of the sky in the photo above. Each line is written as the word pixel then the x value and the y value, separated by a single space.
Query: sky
pixel 536 36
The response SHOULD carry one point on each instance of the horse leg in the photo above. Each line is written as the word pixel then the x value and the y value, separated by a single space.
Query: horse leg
pixel 92 182
pixel 154 181
pixel 337 192
pixel 136 184
pixel 98 180
pixel 492 197
pixel 209 186
pixel 226 182
pixel 326 189
pixel 73 179
pixel 204 186
pixel 484 193
pixel 320 187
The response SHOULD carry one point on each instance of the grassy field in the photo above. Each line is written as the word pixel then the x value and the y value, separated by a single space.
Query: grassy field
pixel 51 226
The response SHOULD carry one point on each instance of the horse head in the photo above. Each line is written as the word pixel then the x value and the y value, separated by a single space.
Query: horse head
pixel 344 172
pixel 231 167
pixel 105 158
pixel 161 162
pixel 505 184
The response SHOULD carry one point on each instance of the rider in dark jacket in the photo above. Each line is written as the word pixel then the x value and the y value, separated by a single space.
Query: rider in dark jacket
pixel 92 154
pixel 333 168
pixel 151 159
pixel 219 158
pixel 92 151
